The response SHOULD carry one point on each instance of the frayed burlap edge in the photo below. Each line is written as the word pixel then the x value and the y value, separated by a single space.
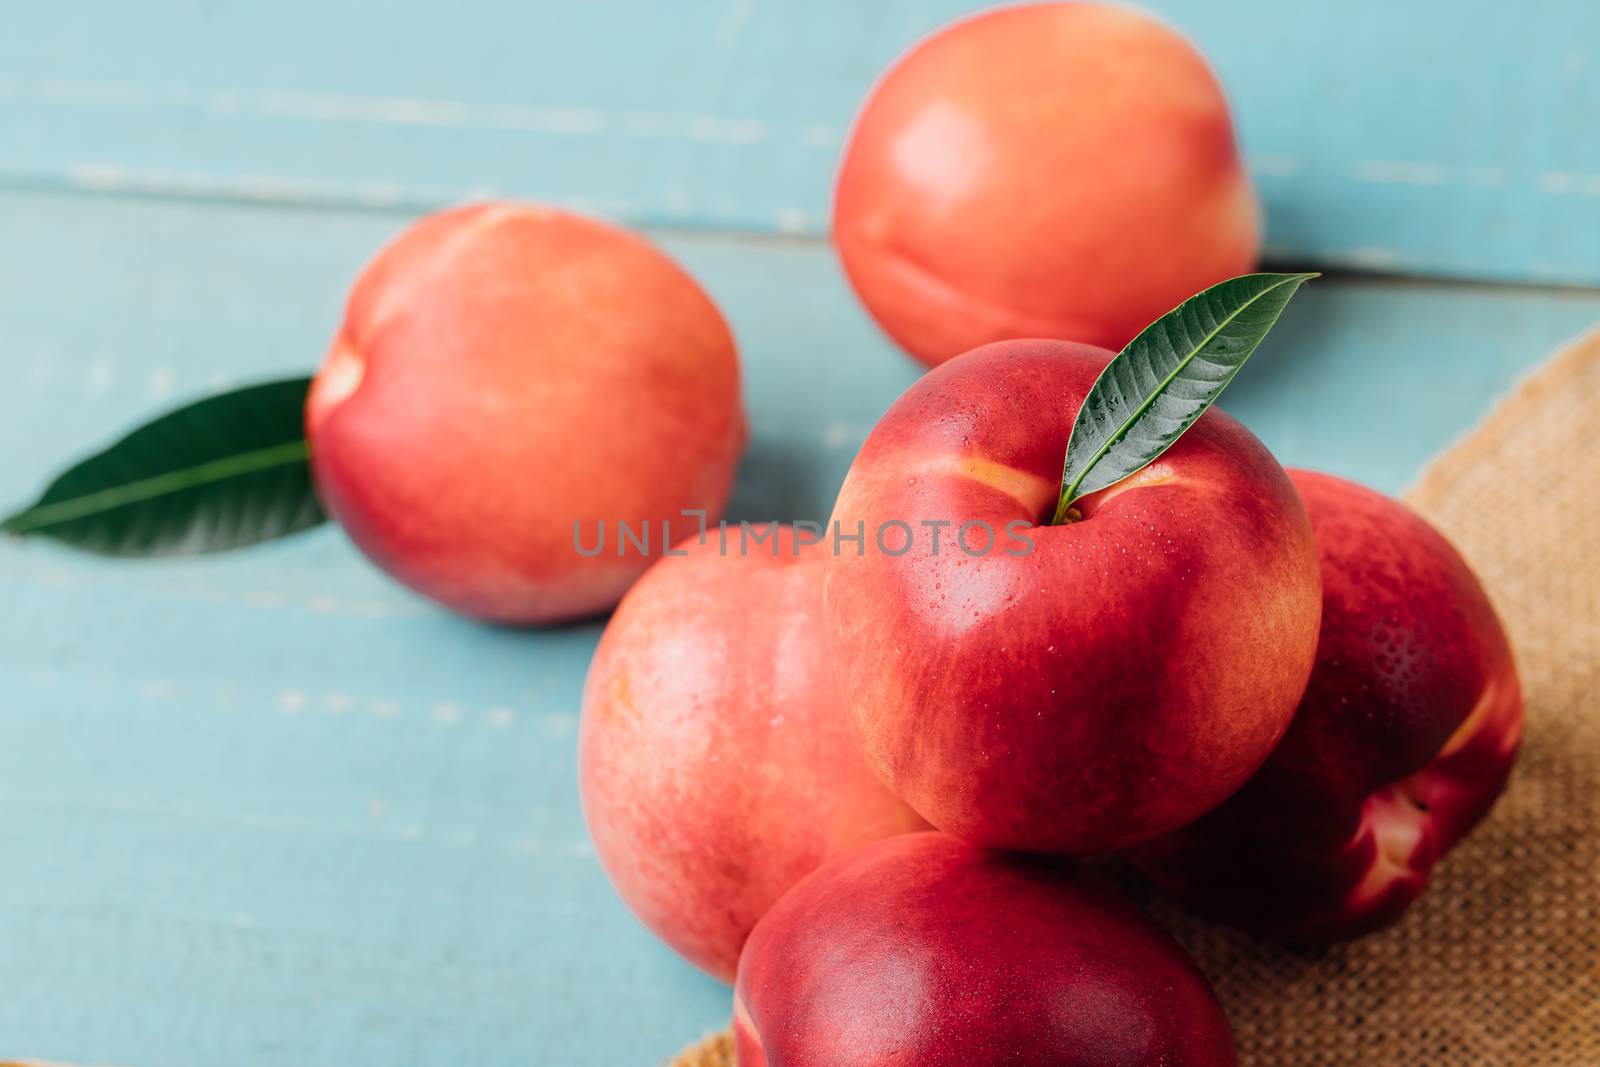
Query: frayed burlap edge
pixel 1499 964
pixel 714 1050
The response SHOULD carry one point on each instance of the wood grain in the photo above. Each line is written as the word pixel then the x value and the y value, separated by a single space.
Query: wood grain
pixel 1461 142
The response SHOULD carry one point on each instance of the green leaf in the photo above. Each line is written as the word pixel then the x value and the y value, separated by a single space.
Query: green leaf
pixel 1165 379
pixel 224 472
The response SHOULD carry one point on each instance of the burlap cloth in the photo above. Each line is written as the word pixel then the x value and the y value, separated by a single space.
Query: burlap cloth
pixel 1499 964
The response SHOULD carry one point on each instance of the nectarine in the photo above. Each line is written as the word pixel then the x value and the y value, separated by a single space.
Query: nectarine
pixel 507 374
pixel 717 766
pixel 1061 170
pixel 921 951
pixel 1114 680
pixel 1404 738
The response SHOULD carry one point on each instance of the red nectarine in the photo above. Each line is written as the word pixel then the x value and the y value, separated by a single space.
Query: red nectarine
pixel 504 372
pixel 1114 681
pixel 1404 738
pixel 921 951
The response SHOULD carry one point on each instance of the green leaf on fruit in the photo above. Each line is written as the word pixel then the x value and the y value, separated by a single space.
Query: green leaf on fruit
pixel 224 472
pixel 1155 389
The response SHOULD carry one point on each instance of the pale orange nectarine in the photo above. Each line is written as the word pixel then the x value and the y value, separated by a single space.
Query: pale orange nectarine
pixel 505 375
pixel 1063 170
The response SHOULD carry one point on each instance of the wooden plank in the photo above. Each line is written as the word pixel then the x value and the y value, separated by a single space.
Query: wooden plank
pixel 1436 140
pixel 269 809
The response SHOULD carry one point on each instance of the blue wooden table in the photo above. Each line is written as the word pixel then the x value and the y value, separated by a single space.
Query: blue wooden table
pixel 270 809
